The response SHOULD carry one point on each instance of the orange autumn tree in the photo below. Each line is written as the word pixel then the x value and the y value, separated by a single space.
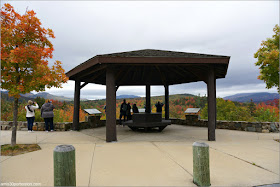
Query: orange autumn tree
pixel 25 50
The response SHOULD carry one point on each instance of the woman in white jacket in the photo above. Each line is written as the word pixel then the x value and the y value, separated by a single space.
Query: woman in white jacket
pixel 30 114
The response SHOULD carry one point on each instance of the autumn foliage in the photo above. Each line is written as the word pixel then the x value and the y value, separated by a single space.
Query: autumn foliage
pixel 226 109
pixel 268 60
pixel 25 50
pixel 63 112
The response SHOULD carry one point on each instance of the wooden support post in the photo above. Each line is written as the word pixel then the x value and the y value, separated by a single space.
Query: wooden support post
pixel 117 87
pixel 201 170
pixel 64 165
pixel 211 89
pixel 111 134
pixel 166 88
pixel 83 85
pixel 148 98
pixel 76 119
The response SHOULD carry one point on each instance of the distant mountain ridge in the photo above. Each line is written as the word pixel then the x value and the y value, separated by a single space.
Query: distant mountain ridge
pixel 256 97
pixel 127 96
pixel 242 97
pixel 45 95
pixel 157 97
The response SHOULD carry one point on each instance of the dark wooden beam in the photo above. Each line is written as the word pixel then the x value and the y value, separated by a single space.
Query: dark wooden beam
pixel 95 76
pixel 154 73
pixel 75 125
pixel 121 72
pixel 161 75
pixel 87 64
pixel 164 60
pixel 166 89
pixel 90 72
pixel 134 74
pixel 111 133
pixel 83 85
pixel 143 72
pixel 148 98
pixel 119 81
pixel 196 75
pixel 211 90
pixel 182 74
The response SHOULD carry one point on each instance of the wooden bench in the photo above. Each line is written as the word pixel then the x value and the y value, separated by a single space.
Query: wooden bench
pixel 147 121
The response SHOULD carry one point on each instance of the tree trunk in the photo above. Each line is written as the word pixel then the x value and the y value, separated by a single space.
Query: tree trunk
pixel 15 123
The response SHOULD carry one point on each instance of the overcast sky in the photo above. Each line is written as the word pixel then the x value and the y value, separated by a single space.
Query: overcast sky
pixel 231 28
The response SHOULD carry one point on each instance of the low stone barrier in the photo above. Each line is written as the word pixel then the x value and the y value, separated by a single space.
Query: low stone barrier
pixel 262 127
pixel 191 120
pixel 37 126
pixel 92 122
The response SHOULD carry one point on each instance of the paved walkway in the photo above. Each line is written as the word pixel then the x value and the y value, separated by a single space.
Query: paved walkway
pixel 147 159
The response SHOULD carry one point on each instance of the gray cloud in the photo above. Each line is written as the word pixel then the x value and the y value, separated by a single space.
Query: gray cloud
pixel 85 29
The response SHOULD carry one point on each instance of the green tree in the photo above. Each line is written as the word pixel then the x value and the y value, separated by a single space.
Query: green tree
pixel 227 110
pixel 265 115
pixel 252 107
pixel 268 60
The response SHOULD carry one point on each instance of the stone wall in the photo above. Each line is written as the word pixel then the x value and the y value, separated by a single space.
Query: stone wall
pixel 92 122
pixel 37 126
pixel 191 120
pixel 264 127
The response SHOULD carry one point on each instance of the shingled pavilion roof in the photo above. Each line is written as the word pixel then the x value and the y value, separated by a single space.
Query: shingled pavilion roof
pixel 156 67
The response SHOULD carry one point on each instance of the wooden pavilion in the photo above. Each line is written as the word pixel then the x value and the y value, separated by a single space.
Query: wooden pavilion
pixel 148 67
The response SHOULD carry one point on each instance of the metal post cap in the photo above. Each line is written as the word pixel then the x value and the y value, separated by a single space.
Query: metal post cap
pixel 64 148
pixel 200 144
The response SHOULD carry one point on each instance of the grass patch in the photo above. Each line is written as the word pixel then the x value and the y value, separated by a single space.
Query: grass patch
pixel 8 150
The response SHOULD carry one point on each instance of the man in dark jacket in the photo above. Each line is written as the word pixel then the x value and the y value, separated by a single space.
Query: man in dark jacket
pixel 128 111
pixel 123 110
pixel 159 107
pixel 47 114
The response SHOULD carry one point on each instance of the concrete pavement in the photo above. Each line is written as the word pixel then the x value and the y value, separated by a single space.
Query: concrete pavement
pixel 237 158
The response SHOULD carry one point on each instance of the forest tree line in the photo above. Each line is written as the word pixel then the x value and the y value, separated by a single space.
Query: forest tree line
pixel 226 109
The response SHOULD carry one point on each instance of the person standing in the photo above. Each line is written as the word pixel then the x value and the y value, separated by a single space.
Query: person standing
pixel 159 106
pixel 30 114
pixel 135 109
pixel 128 111
pixel 123 110
pixel 47 114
